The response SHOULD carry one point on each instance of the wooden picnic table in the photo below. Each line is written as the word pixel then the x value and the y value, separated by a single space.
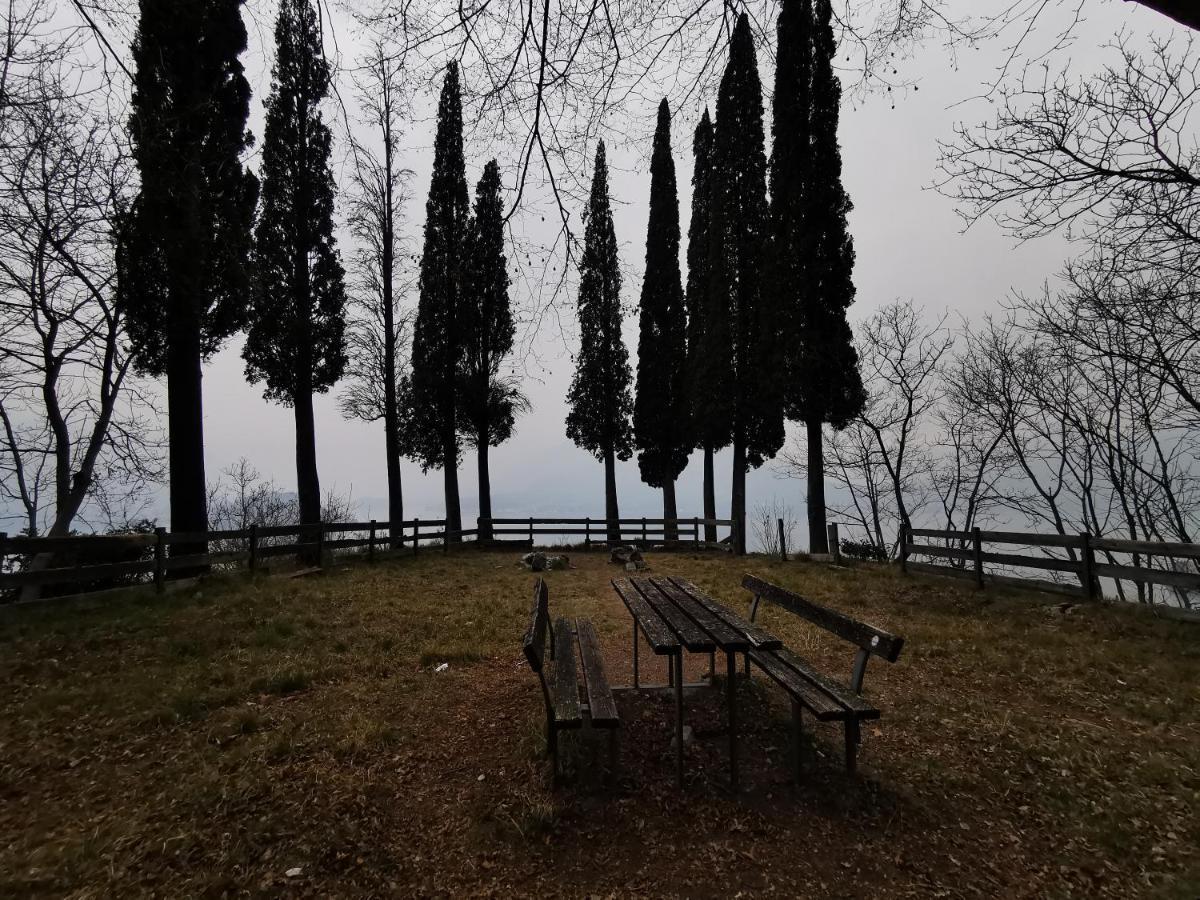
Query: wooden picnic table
pixel 676 616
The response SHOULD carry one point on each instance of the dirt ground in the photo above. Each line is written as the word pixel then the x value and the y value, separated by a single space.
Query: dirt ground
pixel 295 738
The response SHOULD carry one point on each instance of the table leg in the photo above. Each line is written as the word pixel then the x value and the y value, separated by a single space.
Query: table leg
pixel 677 671
pixel 635 654
pixel 731 687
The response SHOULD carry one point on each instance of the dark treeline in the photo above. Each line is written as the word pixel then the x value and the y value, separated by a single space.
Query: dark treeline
pixel 206 249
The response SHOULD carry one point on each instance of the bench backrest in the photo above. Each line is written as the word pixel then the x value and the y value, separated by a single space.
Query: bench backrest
pixel 534 644
pixel 868 638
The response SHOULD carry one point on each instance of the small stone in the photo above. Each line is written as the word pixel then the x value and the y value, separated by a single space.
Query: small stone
pixel 293 872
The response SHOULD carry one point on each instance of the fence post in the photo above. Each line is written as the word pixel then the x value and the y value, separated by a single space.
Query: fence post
pixel 160 560
pixel 977 544
pixel 531 532
pixel 644 530
pixel 321 544
pixel 696 530
pixel 782 544
pixel 904 542
pixel 1088 576
pixel 371 543
pixel 835 546
pixel 416 530
pixel 587 532
pixel 252 561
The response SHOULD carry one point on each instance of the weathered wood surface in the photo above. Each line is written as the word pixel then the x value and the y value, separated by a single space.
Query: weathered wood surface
pixel 855 706
pixel 817 701
pixel 868 637
pixel 602 707
pixel 1148 548
pixel 691 635
pixel 725 635
pixel 757 637
pixel 565 691
pixel 1186 580
pixel 533 645
pixel 660 637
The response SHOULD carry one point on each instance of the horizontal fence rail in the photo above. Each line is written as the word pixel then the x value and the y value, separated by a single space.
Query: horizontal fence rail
pixel 89 563
pixel 1084 557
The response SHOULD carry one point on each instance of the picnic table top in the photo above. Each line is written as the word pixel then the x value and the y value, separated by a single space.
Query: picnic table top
pixel 674 615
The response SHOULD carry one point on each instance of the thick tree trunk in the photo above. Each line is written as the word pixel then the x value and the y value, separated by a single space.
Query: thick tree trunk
pixel 710 497
pixel 453 507
pixel 611 513
pixel 485 490
pixel 188 491
pixel 737 506
pixel 670 513
pixel 308 483
pixel 817 541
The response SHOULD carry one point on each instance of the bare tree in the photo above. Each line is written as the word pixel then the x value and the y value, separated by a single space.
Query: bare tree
pixel 379 389
pixel 78 431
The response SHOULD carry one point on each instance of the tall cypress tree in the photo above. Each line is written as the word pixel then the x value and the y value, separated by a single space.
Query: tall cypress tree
pixel 490 401
pixel 709 433
pixel 660 412
pixel 438 339
pixel 187 239
pixel 296 341
pixel 814 254
pixel 598 420
pixel 738 314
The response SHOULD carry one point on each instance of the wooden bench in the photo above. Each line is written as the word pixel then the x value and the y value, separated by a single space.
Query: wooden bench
pixel 826 698
pixel 570 700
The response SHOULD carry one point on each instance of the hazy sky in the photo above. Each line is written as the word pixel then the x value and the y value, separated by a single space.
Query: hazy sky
pixel 907 238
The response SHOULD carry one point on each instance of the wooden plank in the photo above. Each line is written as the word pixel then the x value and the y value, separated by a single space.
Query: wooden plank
pixel 115 542
pixel 935 550
pixel 1033 540
pixel 868 637
pixel 855 705
pixel 1149 548
pixel 758 638
pixel 602 707
pixel 77 574
pixel 565 696
pixel 533 644
pixel 1034 562
pixel 1031 584
pixel 691 635
pixel 1186 580
pixel 660 638
pixel 943 535
pixel 726 636
pixel 814 699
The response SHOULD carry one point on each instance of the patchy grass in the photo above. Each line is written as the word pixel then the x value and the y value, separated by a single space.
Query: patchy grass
pixel 207 743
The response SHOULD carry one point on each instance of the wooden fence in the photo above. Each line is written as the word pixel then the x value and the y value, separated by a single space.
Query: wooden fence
pixel 1084 557
pixel 99 562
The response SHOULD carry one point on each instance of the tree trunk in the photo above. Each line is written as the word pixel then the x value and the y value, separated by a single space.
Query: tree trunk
pixel 391 415
pixel 737 506
pixel 188 491
pixel 670 513
pixel 817 541
pixel 308 484
pixel 453 507
pixel 710 497
pixel 485 490
pixel 611 513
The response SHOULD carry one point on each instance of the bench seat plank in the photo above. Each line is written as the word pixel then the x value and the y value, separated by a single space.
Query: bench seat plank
pixel 566 685
pixel 660 638
pixel 817 701
pixel 724 633
pixel 758 638
pixel 691 635
pixel 600 699
pixel 856 706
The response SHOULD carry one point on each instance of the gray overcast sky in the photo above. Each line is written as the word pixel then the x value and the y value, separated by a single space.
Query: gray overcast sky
pixel 907 238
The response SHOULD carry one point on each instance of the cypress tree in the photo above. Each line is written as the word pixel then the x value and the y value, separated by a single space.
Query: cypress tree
pixel 813 248
pixel 745 371
pixel 598 420
pixel 187 239
pixel 296 341
pixel 490 401
pixel 707 431
pixel 660 413
pixel 438 341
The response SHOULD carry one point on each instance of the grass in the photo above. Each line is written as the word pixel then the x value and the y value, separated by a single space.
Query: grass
pixel 208 743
